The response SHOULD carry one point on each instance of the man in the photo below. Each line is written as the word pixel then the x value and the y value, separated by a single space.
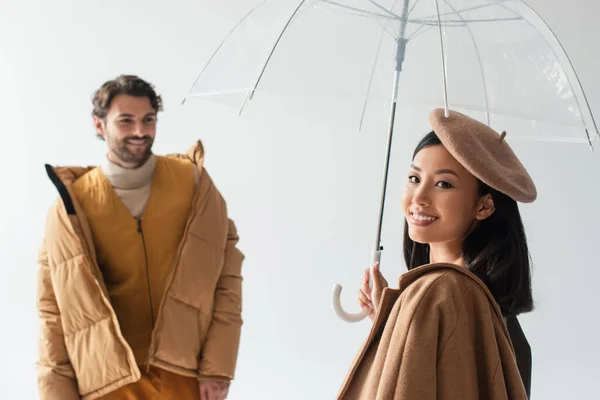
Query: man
pixel 139 288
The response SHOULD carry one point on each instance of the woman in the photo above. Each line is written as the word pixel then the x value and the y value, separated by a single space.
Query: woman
pixel 442 334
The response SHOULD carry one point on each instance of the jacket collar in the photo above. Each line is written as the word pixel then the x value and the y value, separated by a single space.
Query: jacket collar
pixel 69 174
pixel 62 176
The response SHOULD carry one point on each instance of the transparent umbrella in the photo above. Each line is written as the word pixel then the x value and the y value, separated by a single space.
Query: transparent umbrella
pixel 496 60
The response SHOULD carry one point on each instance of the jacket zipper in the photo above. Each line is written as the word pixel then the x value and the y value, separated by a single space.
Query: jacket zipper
pixel 141 232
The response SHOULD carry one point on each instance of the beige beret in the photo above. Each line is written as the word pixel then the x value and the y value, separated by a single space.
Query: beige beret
pixel 484 153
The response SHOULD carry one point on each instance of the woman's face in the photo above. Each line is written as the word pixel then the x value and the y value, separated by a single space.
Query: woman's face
pixel 441 201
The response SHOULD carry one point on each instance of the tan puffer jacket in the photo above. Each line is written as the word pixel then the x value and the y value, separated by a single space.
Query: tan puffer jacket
pixel 82 353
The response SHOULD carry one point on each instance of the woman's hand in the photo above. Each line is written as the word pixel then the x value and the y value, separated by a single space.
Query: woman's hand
pixel 369 299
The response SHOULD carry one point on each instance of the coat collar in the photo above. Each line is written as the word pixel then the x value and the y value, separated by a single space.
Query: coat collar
pixel 411 276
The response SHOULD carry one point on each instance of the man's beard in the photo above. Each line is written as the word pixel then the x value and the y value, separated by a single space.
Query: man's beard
pixel 119 148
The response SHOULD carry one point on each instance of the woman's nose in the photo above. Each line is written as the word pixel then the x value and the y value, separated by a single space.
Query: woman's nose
pixel 421 196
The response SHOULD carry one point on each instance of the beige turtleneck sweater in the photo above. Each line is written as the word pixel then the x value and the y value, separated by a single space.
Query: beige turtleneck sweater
pixel 132 185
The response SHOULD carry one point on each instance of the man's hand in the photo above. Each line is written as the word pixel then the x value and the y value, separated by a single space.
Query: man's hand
pixel 213 390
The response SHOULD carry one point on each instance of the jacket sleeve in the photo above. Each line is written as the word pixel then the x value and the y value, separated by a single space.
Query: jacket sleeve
pixel 219 353
pixel 56 378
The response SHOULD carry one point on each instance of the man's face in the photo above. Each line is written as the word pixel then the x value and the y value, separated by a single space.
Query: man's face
pixel 129 130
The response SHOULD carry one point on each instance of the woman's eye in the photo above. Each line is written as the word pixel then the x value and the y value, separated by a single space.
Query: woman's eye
pixel 125 121
pixel 413 179
pixel 444 185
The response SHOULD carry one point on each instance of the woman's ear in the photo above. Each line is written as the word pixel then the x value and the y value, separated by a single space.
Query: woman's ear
pixel 485 208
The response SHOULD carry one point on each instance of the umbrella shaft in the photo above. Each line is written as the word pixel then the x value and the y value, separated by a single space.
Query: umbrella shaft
pixel 400 53
pixel 386 169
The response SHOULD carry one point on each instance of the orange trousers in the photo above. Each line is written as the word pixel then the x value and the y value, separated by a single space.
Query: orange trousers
pixel 158 384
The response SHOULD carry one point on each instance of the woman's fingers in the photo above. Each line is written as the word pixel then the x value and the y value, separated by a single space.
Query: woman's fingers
pixel 363 301
pixel 364 285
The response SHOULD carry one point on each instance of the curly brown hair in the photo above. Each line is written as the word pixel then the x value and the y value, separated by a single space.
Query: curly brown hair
pixel 130 85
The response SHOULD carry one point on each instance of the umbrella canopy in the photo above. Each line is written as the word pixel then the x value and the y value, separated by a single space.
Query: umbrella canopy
pixel 496 60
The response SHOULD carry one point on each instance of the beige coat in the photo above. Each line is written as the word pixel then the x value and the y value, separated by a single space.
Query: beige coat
pixel 441 336
pixel 82 351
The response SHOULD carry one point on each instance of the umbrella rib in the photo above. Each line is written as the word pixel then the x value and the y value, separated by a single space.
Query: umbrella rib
pixel 419 32
pixel 466 9
pixel 436 23
pixel 485 92
pixel 572 68
pixel 358 10
pixel 221 45
pixel 412 8
pixel 250 93
pixel 461 22
pixel 384 9
pixel 385 28
pixel 415 33
pixel 362 116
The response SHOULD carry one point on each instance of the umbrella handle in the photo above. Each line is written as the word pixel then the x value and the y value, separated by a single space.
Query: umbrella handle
pixel 337 304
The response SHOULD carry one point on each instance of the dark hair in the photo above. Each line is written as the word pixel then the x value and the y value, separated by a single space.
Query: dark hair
pixel 496 250
pixel 130 85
